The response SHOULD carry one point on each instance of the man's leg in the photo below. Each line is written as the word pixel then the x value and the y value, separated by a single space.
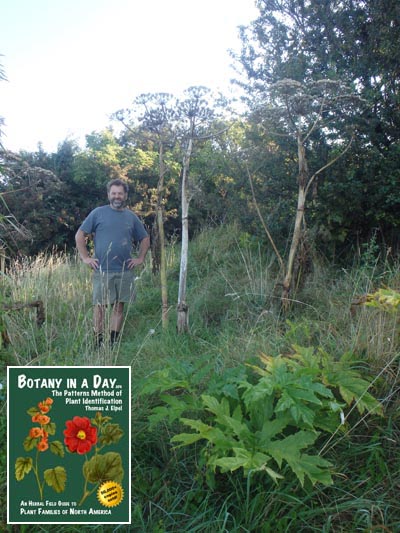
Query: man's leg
pixel 98 323
pixel 117 317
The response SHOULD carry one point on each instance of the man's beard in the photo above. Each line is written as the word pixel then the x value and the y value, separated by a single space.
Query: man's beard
pixel 117 204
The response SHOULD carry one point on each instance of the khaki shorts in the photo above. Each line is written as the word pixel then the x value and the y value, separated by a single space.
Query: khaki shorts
pixel 111 287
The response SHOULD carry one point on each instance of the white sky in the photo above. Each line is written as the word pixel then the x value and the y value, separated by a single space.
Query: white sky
pixel 71 63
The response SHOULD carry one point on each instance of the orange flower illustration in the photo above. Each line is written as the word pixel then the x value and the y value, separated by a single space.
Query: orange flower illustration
pixel 44 407
pixel 80 435
pixel 43 445
pixel 38 439
pixel 35 433
pixel 43 420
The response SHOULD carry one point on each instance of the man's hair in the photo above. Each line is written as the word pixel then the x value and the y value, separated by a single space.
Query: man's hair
pixel 118 183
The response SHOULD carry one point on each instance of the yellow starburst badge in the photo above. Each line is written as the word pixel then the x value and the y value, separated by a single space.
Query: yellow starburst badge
pixel 110 493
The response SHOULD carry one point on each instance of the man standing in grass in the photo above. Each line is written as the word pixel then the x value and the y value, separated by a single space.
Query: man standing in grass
pixel 114 229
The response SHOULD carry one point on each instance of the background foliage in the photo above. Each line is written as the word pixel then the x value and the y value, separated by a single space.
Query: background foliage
pixel 351 43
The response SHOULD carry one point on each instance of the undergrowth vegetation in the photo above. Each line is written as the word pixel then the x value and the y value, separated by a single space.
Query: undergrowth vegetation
pixel 252 422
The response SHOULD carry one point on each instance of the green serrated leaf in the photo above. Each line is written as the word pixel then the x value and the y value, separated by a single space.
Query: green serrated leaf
pixel 50 428
pixel 212 434
pixel 214 406
pixel 230 464
pixel 162 380
pixel 304 391
pixel 32 411
pixel 336 407
pixel 258 461
pixel 230 390
pixel 111 433
pixel 239 428
pixel 30 443
pixel 261 392
pixel 99 419
pixel 329 421
pixel 221 410
pixel 161 413
pixel 279 373
pixel 186 438
pixel 301 412
pixel 285 402
pixel 57 448
pixel 314 467
pixel 272 428
pixel 198 425
pixel 23 465
pixel 237 413
pixel 321 389
pixel 243 459
pixel 107 467
pixel 355 389
pixel 306 355
pixel 180 403
pixel 56 478
pixel 274 475
pixel 290 447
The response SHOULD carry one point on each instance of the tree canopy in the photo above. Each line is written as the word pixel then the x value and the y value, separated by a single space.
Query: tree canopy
pixel 295 58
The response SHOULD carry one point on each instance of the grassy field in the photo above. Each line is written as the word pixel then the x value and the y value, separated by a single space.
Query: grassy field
pixel 234 318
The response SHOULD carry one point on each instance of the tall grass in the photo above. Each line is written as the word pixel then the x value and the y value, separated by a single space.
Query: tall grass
pixel 234 316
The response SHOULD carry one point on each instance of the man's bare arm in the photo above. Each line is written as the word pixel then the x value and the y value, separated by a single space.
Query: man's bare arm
pixel 80 239
pixel 143 249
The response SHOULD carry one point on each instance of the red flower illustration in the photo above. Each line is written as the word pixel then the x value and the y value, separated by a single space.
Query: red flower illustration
pixel 80 435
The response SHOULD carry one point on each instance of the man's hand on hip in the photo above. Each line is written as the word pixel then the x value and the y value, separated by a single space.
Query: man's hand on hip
pixel 134 261
pixel 92 262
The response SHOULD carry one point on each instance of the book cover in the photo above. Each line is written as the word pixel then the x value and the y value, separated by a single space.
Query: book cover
pixel 68 444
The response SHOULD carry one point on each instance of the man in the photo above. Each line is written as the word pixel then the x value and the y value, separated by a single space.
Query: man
pixel 114 228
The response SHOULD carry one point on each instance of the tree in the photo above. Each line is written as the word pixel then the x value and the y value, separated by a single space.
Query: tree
pixel 357 43
pixel 306 111
pixel 33 195
pixel 155 115
pixel 197 115
pixel 2 78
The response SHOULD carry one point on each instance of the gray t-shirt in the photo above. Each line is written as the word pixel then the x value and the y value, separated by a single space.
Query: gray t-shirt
pixel 114 232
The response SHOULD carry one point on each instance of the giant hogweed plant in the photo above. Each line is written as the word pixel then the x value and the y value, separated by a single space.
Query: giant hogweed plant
pixel 264 417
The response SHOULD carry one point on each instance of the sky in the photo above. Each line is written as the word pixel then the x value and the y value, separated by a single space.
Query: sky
pixel 71 63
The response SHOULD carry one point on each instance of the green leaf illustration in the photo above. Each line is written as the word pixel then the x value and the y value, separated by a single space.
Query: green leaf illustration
pixel 32 411
pixel 107 467
pixel 112 433
pixel 100 420
pixel 23 465
pixel 56 478
pixel 50 428
pixel 30 443
pixel 57 448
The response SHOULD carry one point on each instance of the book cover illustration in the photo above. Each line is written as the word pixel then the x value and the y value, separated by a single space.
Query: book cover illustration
pixel 68 445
